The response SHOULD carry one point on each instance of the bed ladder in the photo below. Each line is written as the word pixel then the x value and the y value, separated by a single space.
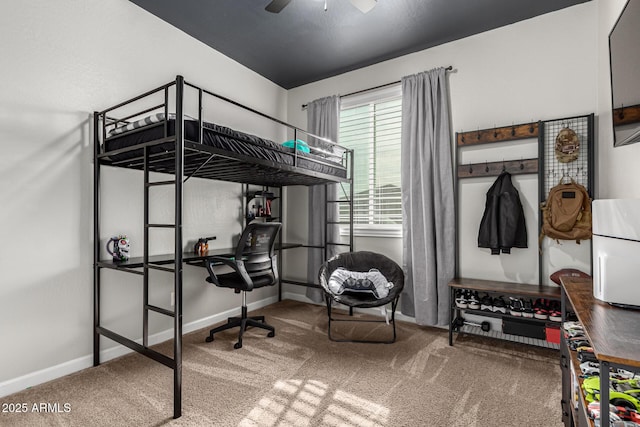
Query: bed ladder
pixel 146 264
pixel 331 200
pixel 175 270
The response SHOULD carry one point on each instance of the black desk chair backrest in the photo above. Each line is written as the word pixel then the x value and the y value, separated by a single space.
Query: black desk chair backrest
pixel 254 265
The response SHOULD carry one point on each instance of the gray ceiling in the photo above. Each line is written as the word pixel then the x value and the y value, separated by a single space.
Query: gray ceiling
pixel 303 43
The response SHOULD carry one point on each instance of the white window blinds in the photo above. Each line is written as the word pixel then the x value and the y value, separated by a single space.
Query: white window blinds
pixel 371 125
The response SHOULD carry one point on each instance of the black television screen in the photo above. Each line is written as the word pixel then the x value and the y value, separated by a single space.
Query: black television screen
pixel 624 56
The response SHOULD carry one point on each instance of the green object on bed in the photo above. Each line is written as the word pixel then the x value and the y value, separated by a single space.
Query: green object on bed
pixel 301 145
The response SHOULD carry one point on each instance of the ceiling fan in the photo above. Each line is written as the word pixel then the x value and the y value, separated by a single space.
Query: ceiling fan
pixel 363 5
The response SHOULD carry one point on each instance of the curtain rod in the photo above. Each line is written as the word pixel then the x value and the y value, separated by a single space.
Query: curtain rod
pixel 449 68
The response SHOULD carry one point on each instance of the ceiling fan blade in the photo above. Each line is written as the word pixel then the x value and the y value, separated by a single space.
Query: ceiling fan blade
pixel 276 6
pixel 364 5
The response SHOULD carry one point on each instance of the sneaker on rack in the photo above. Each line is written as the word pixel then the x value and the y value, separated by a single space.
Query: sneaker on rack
pixel 541 309
pixel 571 326
pixel 486 303
pixel 575 344
pixel 590 368
pixel 473 301
pixel 527 308
pixel 461 298
pixel 515 307
pixel 572 329
pixel 572 333
pixel 555 315
pixel 499 305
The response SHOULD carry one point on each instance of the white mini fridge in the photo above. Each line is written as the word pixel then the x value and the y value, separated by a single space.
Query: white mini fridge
pixel 616 251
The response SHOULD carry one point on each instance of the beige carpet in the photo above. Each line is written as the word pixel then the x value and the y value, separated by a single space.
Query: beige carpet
pixel 300 378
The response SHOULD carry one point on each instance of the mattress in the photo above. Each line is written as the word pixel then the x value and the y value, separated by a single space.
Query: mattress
pixel 231 142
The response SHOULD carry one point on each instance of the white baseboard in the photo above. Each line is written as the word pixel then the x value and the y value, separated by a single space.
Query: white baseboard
pixel 23 382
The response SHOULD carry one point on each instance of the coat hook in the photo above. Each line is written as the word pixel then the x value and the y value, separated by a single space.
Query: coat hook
pixel 470 169
pixel 621 113
pixel 521 164
pixel 495 131
pixel 513 130
pixel 504 168
pixel 486 166
pixel 478 133
pixel 531 129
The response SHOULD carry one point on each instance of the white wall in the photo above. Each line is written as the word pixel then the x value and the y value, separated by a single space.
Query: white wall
pixel 61 61
pixel 619 174
pixel 540 69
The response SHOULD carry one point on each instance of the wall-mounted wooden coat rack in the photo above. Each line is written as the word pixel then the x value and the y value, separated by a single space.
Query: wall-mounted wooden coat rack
pixel 514 167
pixel 497 134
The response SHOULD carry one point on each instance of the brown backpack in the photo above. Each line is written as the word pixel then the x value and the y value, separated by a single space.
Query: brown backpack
pixel 566 214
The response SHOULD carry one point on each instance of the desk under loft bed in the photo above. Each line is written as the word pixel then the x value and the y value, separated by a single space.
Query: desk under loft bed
pixel 151 136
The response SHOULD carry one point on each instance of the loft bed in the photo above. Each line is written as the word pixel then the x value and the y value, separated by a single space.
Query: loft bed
pixel 144 134
pixel 224 154
pixel 217 152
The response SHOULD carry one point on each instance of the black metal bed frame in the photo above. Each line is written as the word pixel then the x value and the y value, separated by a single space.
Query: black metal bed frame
pixel 187 159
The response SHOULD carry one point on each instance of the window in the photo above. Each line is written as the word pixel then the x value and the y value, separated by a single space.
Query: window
pixel 370 124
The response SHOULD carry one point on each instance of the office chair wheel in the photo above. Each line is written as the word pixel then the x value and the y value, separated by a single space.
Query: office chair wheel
pixel 237 345
pixel 209 339
pixel 271 334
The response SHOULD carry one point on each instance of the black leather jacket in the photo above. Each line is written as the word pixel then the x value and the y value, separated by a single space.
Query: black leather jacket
pixel 503 225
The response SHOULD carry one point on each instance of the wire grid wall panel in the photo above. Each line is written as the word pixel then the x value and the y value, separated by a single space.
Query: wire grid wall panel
pixel 578 170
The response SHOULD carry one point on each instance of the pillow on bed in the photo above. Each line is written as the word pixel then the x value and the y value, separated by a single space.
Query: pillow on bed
pixel 300 146
pixel 371 282
pixel 327 150
pixel 154 118
pixel 337 153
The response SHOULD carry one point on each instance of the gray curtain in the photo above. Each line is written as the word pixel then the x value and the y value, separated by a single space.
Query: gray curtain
pixel 323 119
pixel 428 227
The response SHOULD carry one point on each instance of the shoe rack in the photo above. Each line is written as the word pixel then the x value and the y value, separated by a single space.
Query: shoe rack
pixel 532 331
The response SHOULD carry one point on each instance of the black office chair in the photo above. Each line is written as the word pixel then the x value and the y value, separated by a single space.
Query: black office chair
pixel 255 265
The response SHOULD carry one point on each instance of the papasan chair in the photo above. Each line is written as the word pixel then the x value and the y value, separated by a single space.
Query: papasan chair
pixel 361 280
